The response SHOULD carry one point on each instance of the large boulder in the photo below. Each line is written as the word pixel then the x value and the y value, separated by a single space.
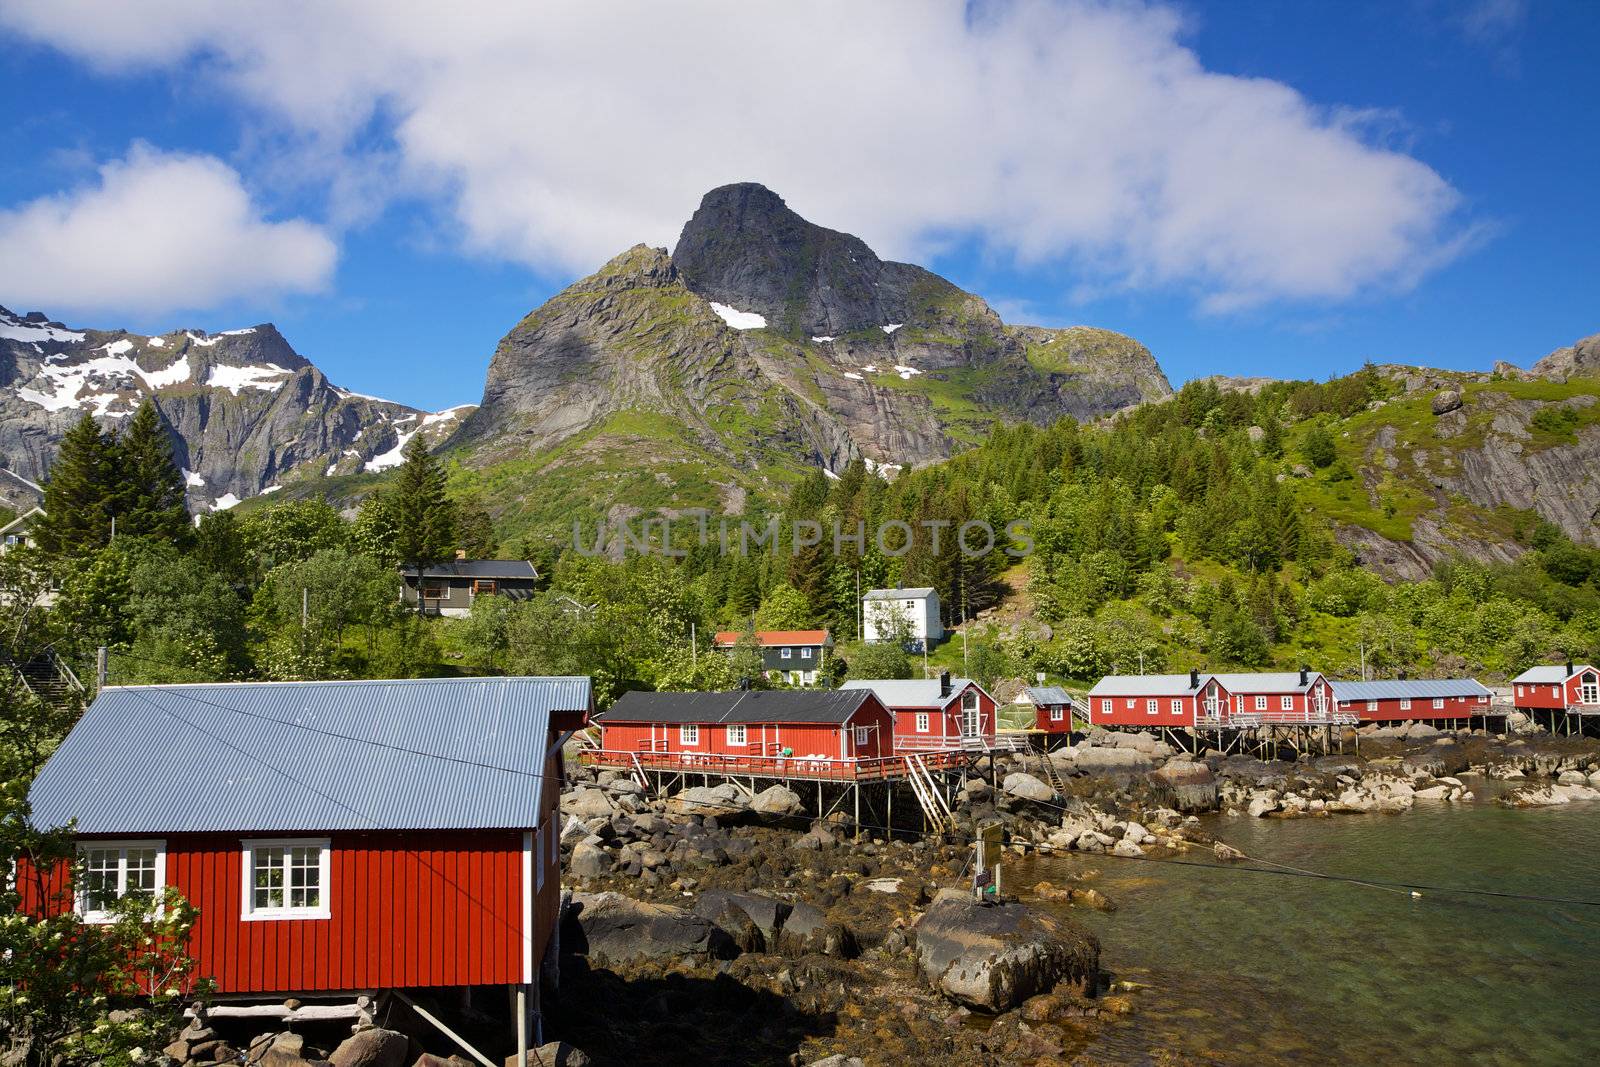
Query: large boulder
pixel 1027 787
pixel 372 1048
pixel 1446 401
pixel 1111 760
pixel 807 930
pixel 715 801
pixel 1193 785
pixel 553 1054
pixel 588 861
pixel 992 957
pixel 586 804
pixel 766 914
pixel 612 928
pixel 776 800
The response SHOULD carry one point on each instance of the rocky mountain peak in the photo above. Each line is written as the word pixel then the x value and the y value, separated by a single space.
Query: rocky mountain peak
pixel 1578 360
pixel 639 265
pixel 747 249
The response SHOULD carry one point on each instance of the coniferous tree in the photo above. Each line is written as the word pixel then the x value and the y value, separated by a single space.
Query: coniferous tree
pixel 149 492
pixel 425 531
pixel 79 495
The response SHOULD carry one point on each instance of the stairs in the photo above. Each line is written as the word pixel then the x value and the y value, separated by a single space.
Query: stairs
pixel 932 802
pixel 47 676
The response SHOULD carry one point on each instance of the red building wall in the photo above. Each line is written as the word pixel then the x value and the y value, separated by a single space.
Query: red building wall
pixel 761 739
pixel 945 723
pixel 1545 696
pixel 1421 709
pixel 1042 718
pixel 1298 702
pixel 1128 710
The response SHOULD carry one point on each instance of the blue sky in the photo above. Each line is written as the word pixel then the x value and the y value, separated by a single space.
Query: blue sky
pixel 1282 189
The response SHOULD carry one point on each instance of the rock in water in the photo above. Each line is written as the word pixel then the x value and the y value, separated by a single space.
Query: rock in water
pixel 1027 787
pixel 992 957
pixel 612 928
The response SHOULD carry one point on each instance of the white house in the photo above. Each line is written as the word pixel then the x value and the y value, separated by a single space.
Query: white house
pixel 917 610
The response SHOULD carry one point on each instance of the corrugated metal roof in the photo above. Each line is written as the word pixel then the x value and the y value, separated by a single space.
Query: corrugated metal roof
pixel 899 594
pixel 1550 673
pixel 814 705
pixel 1408 688
pixel 1266 681
pixel 427 754
pixel 481 568
pixel 909 692
pixel 1145 685
pixel 1049 694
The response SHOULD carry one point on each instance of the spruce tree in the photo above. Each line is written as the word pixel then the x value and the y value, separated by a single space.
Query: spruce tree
pixel 79 494
pixel 149 497
pixel 423 514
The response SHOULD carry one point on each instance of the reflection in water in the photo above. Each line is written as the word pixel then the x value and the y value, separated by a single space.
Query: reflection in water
pixel 1251 968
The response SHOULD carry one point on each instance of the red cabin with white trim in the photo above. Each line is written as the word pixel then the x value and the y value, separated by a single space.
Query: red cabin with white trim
pixel 1154 700
pixel 1052 709
pixel 290 815
pixel 1556 688
pixel 934 713
pixel 1413 700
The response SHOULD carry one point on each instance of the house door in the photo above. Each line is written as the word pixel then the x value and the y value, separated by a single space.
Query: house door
pixel 970 724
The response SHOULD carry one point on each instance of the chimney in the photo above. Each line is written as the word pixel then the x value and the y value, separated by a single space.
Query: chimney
pixel 944 684
pixel 1403 676
pixel 1569 668
pixel 1305 675
pixel 1194 678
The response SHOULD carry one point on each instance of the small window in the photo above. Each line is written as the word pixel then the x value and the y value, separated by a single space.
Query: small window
pixel 1151 705
pixel 116 869
pixel 1286 703
pixel 286 879
pixel 805 653
pixel 1405 704
pixel 863 735
pixel 1105 707
pixel 1177 707
pixel 1130 702
pixel 1372 705
pixel 969 700
pixel 484 587
pixel 435 591
pixel 1438 702
pixel 1055 714
pixel 922 722
pixel 1261 703
pixel 689 733
pixel 786 653
pixel 736 734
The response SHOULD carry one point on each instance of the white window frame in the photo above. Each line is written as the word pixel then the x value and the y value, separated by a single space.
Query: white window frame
pixel 922 722
pixel 1261 703
pixel 80 901
pixel 1055 714
pixel 1286 703
pixel 863 736
pixel 786 653
pixel 1177 706
pixel 688 733
pixel 1438 702
pixel 1130 703
pixel 1372 705
pixel 248 911
pixel 1105 707
pixel 1405 704
pixel 1152 706
pixel 736 733
pixel 805 653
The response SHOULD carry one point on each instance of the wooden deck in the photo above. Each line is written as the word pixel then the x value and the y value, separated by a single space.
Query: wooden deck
pixel 806 768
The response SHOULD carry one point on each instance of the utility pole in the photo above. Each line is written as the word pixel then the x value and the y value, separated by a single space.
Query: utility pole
pixel 1363 644
pixel 1141 662
pixel 305 606
pixel 694 651
pixel 100 668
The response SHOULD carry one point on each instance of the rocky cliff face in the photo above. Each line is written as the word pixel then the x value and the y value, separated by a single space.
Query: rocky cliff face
pixel 772 344
pixel 1580 360
pixel 248 414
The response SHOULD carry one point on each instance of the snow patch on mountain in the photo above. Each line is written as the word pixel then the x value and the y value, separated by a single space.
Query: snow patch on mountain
pixel 159 379
pixel 203 342
pixel 15 329
pixel 224 502
pixel 739 320
pixel 156 342
pixel 234 379
pixel 392 458
pixel 192 479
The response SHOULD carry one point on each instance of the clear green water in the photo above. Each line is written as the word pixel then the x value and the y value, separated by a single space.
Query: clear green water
pixel 1254 968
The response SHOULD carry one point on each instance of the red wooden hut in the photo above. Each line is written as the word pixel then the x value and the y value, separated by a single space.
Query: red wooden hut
pixel 1052 709
pixel 1278 698
pixel 1155 700
pixel 1413 699
pixel 825 734
pixel 335 836
pixel 934 713
pixel 1557 694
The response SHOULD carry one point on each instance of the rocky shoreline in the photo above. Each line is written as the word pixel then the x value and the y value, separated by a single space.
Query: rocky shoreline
pixel 697 910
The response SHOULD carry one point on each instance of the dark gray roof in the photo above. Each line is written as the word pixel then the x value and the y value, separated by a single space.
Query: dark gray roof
pixel 1409 689
pixel 429 754
pixel 1048 694
pixel 819 705
pixel 480 568
pixel 909 593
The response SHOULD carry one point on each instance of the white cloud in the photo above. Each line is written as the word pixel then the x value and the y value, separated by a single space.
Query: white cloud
pixel 156 232
pixel 1080 133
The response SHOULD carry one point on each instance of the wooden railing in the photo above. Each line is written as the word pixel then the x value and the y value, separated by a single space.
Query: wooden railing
pixel 827 768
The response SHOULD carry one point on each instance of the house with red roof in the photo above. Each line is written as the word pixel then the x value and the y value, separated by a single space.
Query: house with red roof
pixel 795 657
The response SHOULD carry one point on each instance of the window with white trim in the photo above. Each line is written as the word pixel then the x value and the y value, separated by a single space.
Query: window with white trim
pixel 1130 702
pixel 689 733
pixel 1372 705
pixel 1261 703
pixel 736 733
pixel 1286 703
pixel 1105 707
pixel 1055 714
pixel 1405 704
pixel 116 869
pixel 286 879
pixel 863 736
pixel 1438 702
pixel 1151 706
pixel 1177 706
pixel 922 722
pixel 786 653
pixel 805 653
